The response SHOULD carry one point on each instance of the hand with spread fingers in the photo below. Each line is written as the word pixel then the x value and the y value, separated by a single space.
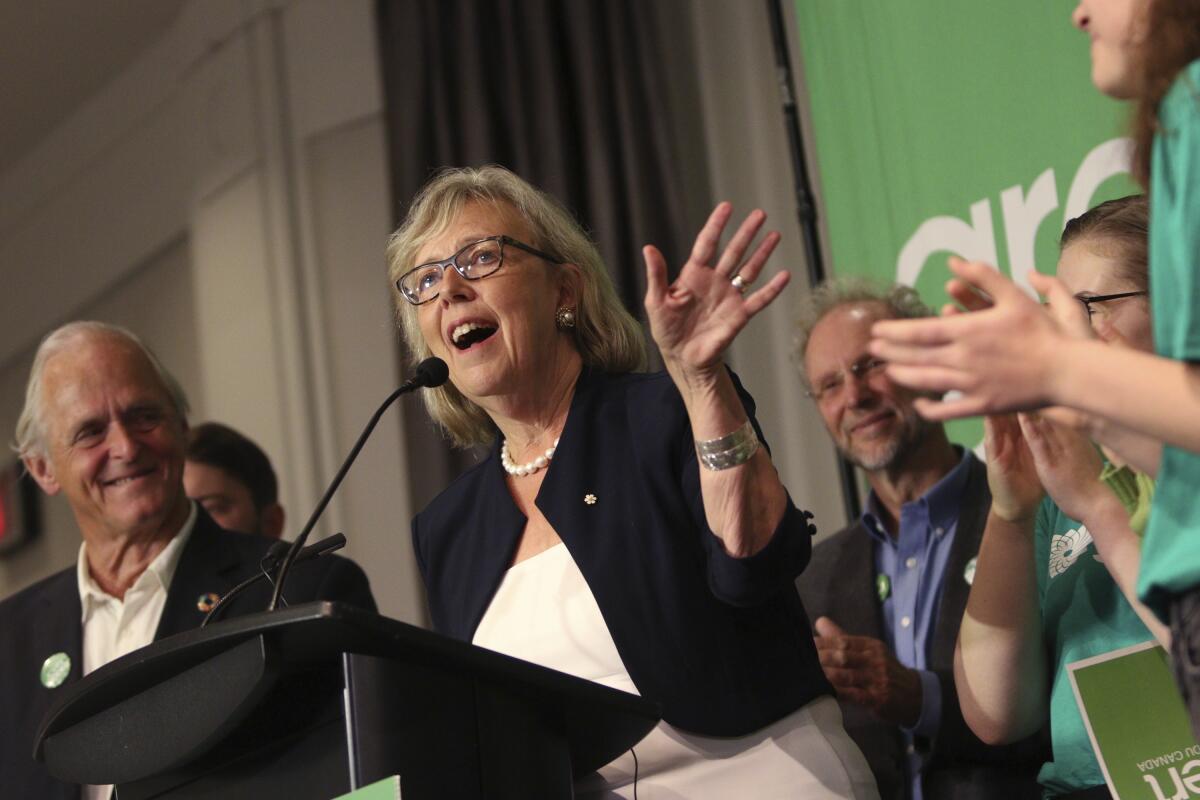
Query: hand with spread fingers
pixel 1011 470
pixel 695 318
pixel 1069 466
pixel 1001 356
pixel 863 670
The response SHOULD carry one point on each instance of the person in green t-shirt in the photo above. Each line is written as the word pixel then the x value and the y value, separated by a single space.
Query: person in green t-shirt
pixel 1055 578
pixel 1013 355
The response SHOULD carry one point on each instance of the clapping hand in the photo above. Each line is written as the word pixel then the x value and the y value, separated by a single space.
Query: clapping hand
pixel 1068 465
pixel 1000 357
pixel 863 670
pixel 1011 470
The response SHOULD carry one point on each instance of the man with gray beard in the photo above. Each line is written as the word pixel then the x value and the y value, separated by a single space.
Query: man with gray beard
pixel 887 593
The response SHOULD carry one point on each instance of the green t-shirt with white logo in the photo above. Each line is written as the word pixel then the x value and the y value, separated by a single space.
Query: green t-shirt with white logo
pixel 1084 614
pixel 1170 552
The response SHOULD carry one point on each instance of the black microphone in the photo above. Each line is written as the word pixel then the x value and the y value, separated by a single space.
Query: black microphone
pixel 275 555
pixel 429 373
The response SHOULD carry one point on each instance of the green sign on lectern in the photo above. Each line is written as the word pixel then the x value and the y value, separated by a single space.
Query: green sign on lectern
pixel 386 789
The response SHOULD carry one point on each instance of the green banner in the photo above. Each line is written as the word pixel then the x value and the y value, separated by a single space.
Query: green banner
pixel 948 127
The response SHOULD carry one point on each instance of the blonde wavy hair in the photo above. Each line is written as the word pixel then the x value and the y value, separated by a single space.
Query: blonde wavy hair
pixel 605 334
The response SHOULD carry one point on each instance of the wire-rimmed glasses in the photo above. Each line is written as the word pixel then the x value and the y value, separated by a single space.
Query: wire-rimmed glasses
pixel 474 261
pixel 832 384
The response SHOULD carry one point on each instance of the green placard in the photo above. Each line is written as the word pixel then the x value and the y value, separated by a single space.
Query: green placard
pixel 948 127
pixel 1138 724
pixel 386 789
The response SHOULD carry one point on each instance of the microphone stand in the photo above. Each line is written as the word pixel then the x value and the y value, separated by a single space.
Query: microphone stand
pixel 270 564
pixel 429 373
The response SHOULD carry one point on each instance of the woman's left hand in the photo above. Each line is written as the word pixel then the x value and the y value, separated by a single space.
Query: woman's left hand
pixel 694 319
pixel 1068 465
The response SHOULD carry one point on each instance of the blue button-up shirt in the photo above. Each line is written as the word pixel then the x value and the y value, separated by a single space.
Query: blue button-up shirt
pixel 914 563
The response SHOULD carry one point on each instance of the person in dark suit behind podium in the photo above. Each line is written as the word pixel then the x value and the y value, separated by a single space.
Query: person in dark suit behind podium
pixel 888 592
pixel 104 424
pixel 626 527
pixel 232 479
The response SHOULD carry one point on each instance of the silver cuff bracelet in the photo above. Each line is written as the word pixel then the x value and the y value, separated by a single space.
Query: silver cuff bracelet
pixel 729 450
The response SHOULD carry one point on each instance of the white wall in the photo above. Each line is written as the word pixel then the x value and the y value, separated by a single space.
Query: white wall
pixel 252 133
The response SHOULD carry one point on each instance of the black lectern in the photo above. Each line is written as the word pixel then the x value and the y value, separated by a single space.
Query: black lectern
pixel 320 699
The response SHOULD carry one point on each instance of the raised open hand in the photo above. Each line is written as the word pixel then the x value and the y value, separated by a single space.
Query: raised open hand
pixel 1068 465
pixel 695 318
pixel 1011 470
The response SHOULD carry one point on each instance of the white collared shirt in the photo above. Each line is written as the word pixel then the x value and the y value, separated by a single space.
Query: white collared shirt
pixel 113 627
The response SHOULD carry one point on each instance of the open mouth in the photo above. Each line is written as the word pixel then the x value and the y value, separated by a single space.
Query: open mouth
pixel 469 334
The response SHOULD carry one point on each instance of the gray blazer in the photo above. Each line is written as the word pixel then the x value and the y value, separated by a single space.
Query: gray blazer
pixel 840 584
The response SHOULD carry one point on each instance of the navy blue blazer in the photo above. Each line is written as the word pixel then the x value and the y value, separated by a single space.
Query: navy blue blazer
pixel 721 643
pixel 46 618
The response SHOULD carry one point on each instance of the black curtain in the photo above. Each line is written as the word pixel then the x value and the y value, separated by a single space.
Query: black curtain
pixel 569 94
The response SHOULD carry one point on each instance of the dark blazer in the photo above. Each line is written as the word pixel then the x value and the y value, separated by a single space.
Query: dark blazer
pixel 46 618
pixel 840 584
pixel 722 643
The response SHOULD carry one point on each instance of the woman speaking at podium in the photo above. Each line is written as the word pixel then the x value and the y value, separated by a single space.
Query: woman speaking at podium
pixel 626 527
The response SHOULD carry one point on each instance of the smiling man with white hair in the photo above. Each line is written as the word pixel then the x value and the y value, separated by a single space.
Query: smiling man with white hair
pixel 105 426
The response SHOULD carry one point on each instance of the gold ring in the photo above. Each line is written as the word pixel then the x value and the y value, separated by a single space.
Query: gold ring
pixel 739 283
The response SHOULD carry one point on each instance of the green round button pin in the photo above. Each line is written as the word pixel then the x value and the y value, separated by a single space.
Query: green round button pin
pixel 55 670
pixel 883 586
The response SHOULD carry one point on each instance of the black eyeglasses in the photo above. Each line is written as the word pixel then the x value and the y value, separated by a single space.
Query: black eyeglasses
pixel 1104 298
pixel 476 260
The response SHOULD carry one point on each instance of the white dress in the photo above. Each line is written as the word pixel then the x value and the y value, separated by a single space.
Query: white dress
pixel 544 612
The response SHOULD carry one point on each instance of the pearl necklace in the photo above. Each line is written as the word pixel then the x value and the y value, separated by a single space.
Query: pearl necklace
pixel 518 470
